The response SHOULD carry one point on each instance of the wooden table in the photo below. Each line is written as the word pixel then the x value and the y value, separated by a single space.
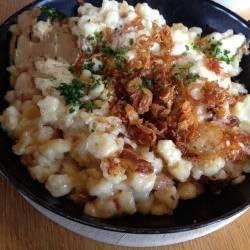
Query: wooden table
pixel 23 228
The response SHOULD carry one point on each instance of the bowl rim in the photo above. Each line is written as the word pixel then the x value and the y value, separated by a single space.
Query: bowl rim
pixel 38 3
pixel 102 225
pixel 115 228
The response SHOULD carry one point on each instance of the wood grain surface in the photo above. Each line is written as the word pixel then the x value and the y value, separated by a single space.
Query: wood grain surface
pixel 23 228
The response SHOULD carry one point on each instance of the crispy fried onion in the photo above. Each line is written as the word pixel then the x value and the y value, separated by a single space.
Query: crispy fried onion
pixel 144 134
pixel 239 146
pixel 134 85
pixel 78 65
pixel 159 111
pixel 155 104
pixel 219 140
pixel 132 115
pixel 213 65
pixel 183 124
pixel 144 56
pixel 129 159
pixel 142 100
pixel 217 99
pixel 135 24
pixel 117 108
pixel 114 167
pixel 167 96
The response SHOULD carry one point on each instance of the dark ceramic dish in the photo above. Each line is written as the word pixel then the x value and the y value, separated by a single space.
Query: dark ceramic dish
pixel 189 215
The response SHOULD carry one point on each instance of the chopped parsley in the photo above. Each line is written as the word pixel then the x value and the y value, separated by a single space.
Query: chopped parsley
pixel 182 73
pixel 96 38
pixel 87 105
pixel 147 83
pixel 117 54
pixel 187 47
pixel 109 81
pixel 196 47
pixel 139 87
pixel 223 55
pixel 72 92
pixel 192 77
pixel 120 59
pixel 120 63
pixel 71 69
pixel 131 41
pixel 107 50
pixel 179 75
pixel 53 14
pixel 95 83
pixel 121 51
pixel 71 110
pixel 214 50
pixel 161 86
pixel 181 67
pixel 89 49
pixel 89 66
pixel 189 77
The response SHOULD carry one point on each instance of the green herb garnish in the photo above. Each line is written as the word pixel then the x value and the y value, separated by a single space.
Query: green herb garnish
pixel 89 49
pixel 108 81
pixel 107 50
pixel 131 41
pixel 161 86
pixel 139 87
pixel 120 62
pixel 72 92
pixel 189 77
pixel 179 75
pixel 147 83
pixel 71 69
pixel 223 55
pixel 71 110
pixel 95 83
pixel 192 77
pixel 121 51
pixel 117 54
pixel 89 66
pixel 195 47
pixel 87 105
pixel 96 38
pixel 214 50
pixel 53 14
pixel 181 67
pixel 120 59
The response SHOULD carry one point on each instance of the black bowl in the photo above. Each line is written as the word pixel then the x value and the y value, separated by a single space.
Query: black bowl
pixel 192 214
